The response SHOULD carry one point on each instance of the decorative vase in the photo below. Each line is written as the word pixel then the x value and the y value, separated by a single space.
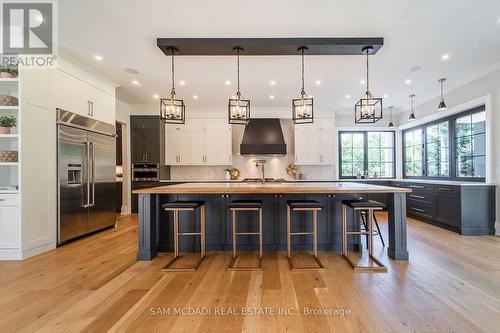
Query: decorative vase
pixel 6 75
pixel 4 130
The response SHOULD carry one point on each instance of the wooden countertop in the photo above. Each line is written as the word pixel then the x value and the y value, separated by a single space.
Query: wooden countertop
pixel 270 188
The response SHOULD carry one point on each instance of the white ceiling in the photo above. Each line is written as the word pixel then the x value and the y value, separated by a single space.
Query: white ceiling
pixel 417 33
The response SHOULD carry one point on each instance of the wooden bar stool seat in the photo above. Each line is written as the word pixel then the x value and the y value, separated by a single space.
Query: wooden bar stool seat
pixel 176 207
pixel 245 206
pixel 368 206
pixel 303 205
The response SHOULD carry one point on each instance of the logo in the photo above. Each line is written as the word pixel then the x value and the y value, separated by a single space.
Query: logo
pixel 28 33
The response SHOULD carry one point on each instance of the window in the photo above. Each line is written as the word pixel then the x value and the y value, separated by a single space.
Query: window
pixel 413 153
pixel 371 153
pixel 437 149
pixel 449 148
pixel 470 138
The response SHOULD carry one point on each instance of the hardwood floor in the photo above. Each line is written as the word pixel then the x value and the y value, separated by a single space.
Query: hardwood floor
pixel 450 284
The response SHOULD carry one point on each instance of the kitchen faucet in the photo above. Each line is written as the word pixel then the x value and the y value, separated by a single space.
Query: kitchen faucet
pixel 261 164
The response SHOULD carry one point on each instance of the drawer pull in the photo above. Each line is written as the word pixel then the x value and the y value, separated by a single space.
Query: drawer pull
pixel 416 196
pixel 416 186
pixel 444 189
pixel 417 209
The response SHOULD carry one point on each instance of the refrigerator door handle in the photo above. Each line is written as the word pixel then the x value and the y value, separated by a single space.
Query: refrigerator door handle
pixel 87 153
pixel 93 175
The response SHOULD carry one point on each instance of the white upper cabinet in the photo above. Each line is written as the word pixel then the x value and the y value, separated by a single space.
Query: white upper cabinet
pixel 315 143
pixel 199 142
pixel 72 94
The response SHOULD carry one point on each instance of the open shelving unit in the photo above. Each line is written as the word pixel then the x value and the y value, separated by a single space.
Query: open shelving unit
pixel 9 171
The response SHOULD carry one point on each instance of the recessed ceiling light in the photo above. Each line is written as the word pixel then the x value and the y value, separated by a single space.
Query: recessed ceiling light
pixel 227 83
pixel 445 57
pixel 362 82
pixel 272 82
pixel 347 96
pixel 407 81
pixel 271 96
pixel 39 18
pixel 137 83
pixel 386 95
pixel 132 71
pixel 195 96
pixel 318 82
pixel 182 82
pixel 156 96
pixel 98 57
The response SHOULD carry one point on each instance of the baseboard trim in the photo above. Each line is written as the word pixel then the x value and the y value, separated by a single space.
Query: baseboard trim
pixel 38 250
pixel 497 228
pixel 11 255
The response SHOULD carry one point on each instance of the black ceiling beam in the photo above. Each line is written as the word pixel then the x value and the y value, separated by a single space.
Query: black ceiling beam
pixel 268 46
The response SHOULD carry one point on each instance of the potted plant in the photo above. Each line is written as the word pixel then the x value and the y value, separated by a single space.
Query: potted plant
pixel 6 123
pixel 8 71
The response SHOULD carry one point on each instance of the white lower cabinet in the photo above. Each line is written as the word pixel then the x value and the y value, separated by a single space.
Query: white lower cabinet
pixel 10 229
pixel 315 143
pixel 199 142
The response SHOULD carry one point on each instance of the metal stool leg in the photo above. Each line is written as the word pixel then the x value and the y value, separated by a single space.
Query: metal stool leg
pixel 344 230
pixel 314 233
pixel 378 229
pixel 232 264
pixel 168 267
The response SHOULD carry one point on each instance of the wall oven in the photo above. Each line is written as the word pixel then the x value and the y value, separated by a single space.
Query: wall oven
pixel 145 172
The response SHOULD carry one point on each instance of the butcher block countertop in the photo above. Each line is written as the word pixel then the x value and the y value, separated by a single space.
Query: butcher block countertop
pixel 271 188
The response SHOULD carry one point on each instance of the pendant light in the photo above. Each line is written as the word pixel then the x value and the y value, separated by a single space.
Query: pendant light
pixel 369 108
pixel 412 108
pixel 238 109
pixel 172 110
pixel 442 104
pixel 302 108
pixel 391 124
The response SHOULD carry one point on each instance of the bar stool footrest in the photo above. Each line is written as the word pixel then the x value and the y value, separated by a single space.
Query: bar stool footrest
pixel 294 268
pixel 168 267
pixel 377 267
pixel 232 266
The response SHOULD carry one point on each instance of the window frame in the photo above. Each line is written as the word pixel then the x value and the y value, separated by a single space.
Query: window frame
pixel 452 153
pixel 365 152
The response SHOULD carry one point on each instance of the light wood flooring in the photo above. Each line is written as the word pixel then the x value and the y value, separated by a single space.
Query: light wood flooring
pixel 450 284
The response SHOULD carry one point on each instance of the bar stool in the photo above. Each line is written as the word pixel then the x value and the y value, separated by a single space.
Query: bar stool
pixel 361 205
pixel 176 207
pixel 303 205
pixel 364 219
pixel 245 206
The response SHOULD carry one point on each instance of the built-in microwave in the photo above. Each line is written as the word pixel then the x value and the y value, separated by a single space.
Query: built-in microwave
pixel 145 172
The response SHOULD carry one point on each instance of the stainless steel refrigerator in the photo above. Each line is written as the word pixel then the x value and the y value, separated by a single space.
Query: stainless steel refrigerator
pixel 86 175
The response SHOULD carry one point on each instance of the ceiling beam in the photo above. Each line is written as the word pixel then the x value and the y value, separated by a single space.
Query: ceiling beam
pixel 268 46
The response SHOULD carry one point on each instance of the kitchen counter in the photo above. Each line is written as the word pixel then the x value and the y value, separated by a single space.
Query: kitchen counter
pixel 155 233
pixel 271 188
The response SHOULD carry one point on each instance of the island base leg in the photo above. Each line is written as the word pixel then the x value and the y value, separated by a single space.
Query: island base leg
pixel 147 249
pixel 397 226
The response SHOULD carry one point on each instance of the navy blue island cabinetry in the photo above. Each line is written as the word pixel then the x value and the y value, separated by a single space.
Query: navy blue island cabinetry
pixel 156 233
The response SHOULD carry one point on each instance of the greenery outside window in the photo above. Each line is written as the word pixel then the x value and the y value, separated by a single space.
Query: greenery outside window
pixel 369 153
pixel 451 148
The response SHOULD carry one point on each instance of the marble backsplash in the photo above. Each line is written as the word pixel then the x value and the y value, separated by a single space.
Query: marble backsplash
pixel 275 167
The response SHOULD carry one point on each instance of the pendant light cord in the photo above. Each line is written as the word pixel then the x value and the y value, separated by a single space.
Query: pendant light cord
pixel 238 71
pixel 367 73
pixel 172 93
pixel 442 84
pixel 303 91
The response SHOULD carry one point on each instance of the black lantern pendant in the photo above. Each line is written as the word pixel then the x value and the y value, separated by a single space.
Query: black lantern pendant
pixel 442 104
pixel 302 108
pixel 238 108
pixel 368 109
pixel 391 124
pixel 172 111
pixel 412 112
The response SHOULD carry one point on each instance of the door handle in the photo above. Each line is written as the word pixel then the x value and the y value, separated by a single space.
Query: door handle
pixel 87 151
pixel 417 210
pixel 92 108
pixel 88 108
pixel 146 157
pixel 416 186
pixel 416 196
pixel 92 204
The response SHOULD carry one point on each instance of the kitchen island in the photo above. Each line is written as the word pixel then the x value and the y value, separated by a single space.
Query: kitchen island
pixel 155 226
